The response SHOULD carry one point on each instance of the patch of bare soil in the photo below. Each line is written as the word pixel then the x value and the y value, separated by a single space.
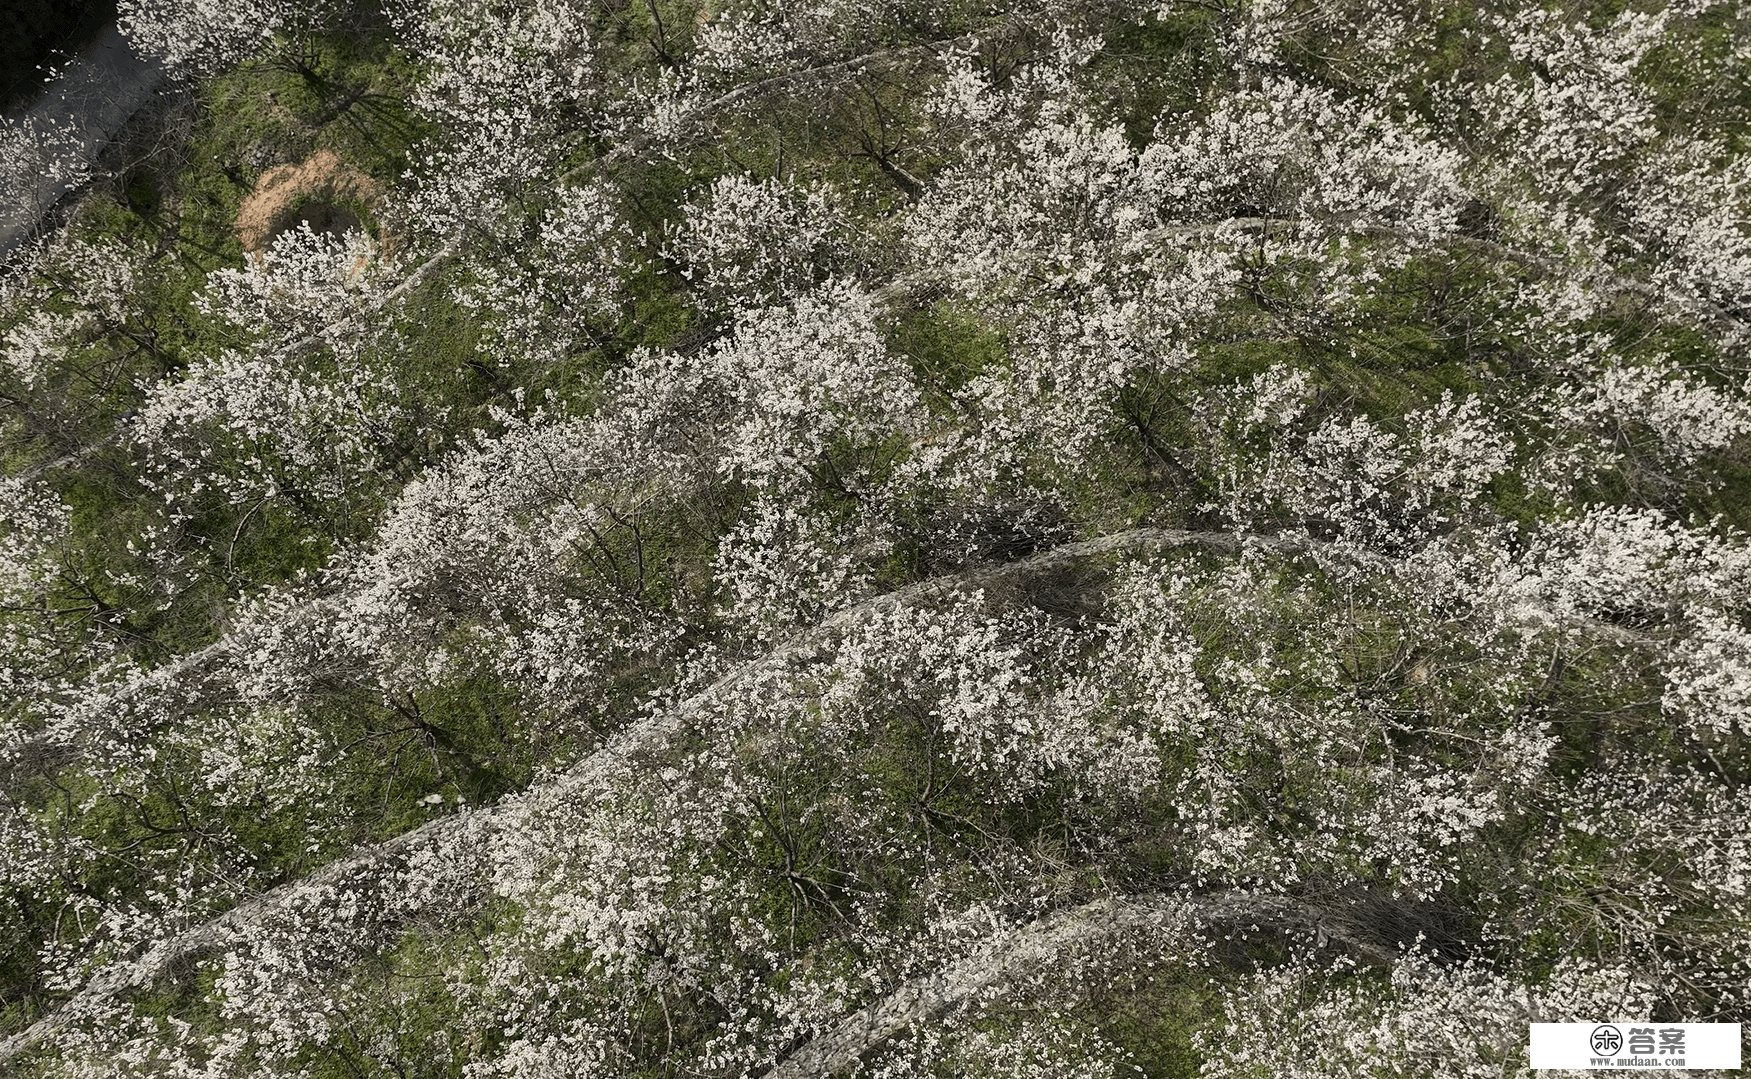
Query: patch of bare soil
pixel 315 192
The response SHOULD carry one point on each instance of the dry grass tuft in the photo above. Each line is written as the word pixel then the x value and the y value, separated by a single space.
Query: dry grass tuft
pixel 313 191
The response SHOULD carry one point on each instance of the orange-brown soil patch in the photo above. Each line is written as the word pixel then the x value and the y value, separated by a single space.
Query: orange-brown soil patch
pixel 311 191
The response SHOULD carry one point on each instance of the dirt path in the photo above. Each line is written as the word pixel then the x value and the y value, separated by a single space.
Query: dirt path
pixel 54 142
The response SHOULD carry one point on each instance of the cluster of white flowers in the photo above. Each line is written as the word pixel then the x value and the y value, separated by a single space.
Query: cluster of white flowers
pixel 251 423
pixel 538 300
pixel 304 284
pixel 1466 1015
pixel 35 520
pixel 1582 109
pixel 1347 475
pixel 746 244
pixel 287 429
pixel 506 86
pixel 79 292
pixel 782 569
pixel 1687 415
pixel 209 36
pixel 1320 163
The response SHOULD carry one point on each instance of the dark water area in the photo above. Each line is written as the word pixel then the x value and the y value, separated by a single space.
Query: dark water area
pixel 40 34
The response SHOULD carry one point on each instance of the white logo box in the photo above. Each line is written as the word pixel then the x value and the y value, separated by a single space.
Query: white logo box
pixel 1635 1045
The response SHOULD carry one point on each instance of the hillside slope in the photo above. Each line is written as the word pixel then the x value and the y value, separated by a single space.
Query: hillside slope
pixel 904 539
